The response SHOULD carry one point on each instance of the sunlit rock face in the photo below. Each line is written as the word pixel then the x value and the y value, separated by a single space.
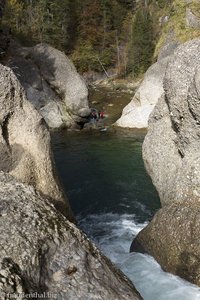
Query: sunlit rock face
pixel 136 113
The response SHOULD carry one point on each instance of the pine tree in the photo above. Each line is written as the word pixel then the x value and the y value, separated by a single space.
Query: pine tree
pixel 13 14
pixel 56 19
pixel 141 46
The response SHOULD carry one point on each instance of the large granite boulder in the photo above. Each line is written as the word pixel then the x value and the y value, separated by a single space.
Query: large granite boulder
pixel 172 159
pixel 136 113
pixel 61 74
pixel 52 84
pixel 25 142
pixel 170 149
pixel 42 253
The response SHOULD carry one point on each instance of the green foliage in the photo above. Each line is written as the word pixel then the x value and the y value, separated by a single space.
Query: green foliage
pixel 87 59
pixel 100 26
pixel 97 33
pixel 162 3
pixel 40 21
pixel 128 4
pixel 13 14
pixel 177 23
pixel 141 47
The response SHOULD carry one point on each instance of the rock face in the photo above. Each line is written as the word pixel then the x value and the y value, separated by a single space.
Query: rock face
pixel 136 113
pixel 42 253
pixel 52 84
pixel 25 142
pixel 172 158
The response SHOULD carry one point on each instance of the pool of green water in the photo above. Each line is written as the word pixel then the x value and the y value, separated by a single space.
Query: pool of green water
pixel 103 172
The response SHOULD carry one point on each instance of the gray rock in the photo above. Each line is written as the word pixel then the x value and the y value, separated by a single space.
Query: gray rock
pixel 172 237
pixel 84 112
pixel 22 65
pixel 159 149
pixel 168 48
pixel 136 113
pixel 25 142
pixel 192 20
pixel 41 252
pixel 173 159
pixel 163 20
pixel 51 112
pixel 51 83
pixel 62 76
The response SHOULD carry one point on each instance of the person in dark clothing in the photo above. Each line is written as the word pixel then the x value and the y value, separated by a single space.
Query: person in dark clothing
pixel 94 114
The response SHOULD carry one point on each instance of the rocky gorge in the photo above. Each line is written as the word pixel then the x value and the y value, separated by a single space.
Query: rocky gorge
pixel 42 252
pixel 27 276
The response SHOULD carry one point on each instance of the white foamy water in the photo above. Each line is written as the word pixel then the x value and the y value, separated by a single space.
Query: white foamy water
pixel 113 234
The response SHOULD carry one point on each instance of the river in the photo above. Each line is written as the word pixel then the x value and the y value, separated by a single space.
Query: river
pixel 113 199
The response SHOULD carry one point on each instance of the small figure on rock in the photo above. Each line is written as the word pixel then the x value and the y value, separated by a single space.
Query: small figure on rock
pixel 94 115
